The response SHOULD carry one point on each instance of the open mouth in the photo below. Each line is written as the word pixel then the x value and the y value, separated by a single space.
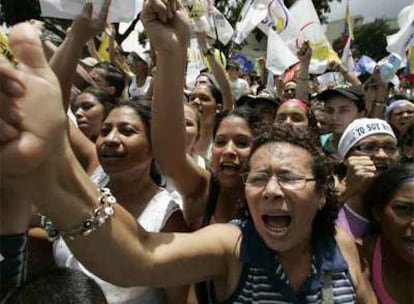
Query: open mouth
pixel 277 224
pixel 110 155
pixel 228 167
pixel 409 242
pixel 381 167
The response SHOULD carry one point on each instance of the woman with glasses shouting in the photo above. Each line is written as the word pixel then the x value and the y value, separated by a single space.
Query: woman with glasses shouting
pixel 285 249
pixel 369 147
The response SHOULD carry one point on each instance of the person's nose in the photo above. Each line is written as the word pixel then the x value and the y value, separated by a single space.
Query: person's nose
pixel 272 189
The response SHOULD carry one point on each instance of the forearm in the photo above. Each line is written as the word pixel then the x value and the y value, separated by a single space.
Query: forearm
pixel 223 82
pixel 349 76
pixel 63 182
pixel 206 137
pixel 168 111
pixel 302 88
pixel 64 63
pixel 377 109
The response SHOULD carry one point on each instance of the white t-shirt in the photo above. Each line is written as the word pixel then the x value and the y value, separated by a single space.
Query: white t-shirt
pixel 135 91
pixel 239 87
pixel 153 219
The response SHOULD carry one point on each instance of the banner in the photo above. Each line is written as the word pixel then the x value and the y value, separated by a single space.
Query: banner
pixel 120 10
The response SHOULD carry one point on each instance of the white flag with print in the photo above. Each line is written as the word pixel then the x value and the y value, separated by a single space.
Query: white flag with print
pixel 279 56
pixel 404 38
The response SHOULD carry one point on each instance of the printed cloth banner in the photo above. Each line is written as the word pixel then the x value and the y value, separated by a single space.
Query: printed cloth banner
pixel 120 10
pixel 404 38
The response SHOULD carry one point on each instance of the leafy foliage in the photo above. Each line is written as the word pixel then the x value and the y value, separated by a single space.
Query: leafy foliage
pixel 369 39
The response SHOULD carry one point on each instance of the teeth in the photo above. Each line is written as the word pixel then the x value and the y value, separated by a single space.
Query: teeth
pixel 410 245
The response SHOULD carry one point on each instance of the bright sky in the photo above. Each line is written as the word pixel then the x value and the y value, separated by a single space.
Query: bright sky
pixel 369 9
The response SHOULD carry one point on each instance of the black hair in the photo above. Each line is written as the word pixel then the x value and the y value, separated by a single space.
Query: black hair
pixel 142 108
pixel 61 285
pixel 115 77
pixel 107 100
pixel 324 221
pixel 384 186
pixel 252 118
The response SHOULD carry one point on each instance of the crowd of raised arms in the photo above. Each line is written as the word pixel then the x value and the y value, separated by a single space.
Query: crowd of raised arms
pixel 121 184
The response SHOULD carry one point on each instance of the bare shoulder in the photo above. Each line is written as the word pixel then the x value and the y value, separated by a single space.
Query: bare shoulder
pixel 349 250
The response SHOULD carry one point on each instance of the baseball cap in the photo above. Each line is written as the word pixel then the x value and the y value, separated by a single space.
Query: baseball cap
pixel 353 93
pixel 264 95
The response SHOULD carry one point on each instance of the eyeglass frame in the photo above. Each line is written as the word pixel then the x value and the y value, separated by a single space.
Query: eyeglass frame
pixel 303 179
pixel 377 148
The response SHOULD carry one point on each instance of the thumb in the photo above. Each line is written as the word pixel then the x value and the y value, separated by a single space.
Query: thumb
pixel 27 48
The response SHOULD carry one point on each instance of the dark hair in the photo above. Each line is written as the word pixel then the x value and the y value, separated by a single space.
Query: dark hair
pixel 115 77
pixel 61 285
pixel 107 100
pixel 142 108
pixel 383 187
pixel 251 117
pixel 324 221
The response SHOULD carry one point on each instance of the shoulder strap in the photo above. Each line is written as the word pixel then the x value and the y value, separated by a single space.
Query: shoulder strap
pixel 327 290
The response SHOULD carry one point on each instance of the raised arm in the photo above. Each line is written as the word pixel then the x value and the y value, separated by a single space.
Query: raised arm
pixel 38 162
pixel 66 57
pixel 168 123
pixel 305 55
pixel 217 70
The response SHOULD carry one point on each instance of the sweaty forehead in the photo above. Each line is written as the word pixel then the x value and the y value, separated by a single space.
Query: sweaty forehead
pixel 282 155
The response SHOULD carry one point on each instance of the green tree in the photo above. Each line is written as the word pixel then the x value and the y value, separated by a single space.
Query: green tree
pixel 369 39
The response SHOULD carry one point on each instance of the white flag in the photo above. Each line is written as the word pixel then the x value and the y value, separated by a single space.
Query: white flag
pixel 120 10
pixel 404 38
pixel 253 12
pixel 219 23
pixel 310 28
pixel 195 63
pixel 347 58
pixel 279 56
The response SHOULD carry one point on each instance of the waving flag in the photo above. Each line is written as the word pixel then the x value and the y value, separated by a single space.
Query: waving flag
pixel 253 12
pixel 280 15
pixel 348 32
pixel 222 29
pixel 404 38
pixel 279 56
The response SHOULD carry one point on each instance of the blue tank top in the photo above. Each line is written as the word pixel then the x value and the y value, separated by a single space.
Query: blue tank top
pixel 263 279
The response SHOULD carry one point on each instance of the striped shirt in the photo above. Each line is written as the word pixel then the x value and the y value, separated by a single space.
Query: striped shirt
pixel 263 280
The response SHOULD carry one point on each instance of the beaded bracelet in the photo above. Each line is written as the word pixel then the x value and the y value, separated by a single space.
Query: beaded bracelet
pixel 99 216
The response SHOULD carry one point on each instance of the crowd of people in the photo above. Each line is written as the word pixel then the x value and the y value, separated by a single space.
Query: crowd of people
pixel 120 184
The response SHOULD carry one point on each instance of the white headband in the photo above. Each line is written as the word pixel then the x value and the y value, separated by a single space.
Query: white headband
pixel 362 128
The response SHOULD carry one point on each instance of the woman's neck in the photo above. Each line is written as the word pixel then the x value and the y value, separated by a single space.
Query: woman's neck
pixel 133 193
pixel 297 263
pixel 228 204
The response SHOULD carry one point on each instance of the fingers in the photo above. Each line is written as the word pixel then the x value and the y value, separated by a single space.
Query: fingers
pixel 162 8
pixel 87 10
pixel 27 48
pixel 11 89
pixel 103 14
